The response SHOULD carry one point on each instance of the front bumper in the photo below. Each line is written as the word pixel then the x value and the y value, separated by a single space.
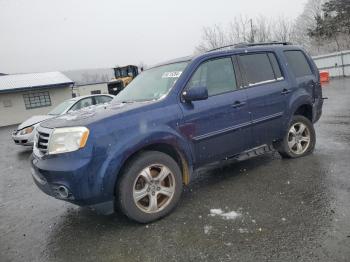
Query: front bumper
pixel 23 140
pixel 80 176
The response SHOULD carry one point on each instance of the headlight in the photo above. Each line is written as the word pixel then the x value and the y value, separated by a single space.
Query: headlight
pixel 26 130
pixel 67 139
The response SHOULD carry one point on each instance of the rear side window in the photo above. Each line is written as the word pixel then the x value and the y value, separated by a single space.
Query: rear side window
pixel 217 75
pixel 102 99
pixel 297 63
pixel 258 68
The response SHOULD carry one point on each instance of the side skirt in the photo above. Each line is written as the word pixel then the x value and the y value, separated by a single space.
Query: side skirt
pixel 254 152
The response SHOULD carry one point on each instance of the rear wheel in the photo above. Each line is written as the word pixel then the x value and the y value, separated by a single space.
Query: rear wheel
pixel 150 187
pixel 300 138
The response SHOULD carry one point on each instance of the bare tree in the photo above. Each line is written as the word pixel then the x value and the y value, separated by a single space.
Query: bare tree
pixel 240 30
pixel 282 29
pixel 212 37
pixel 245 29
pixel 306 21
pixel 263 29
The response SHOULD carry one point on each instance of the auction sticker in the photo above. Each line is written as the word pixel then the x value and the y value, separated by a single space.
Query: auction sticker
pixel 173 74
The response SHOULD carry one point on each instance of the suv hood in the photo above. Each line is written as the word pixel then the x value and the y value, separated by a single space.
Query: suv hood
pixel 34 120
pixel 88 115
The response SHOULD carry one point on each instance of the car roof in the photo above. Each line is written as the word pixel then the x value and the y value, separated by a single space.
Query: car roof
pixel 173 61
pixel 233 50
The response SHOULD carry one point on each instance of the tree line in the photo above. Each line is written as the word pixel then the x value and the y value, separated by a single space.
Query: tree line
pixel 322 27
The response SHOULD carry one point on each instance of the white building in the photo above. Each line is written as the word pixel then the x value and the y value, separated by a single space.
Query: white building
pixel 90 81
pixel 90 89
pixel 25 95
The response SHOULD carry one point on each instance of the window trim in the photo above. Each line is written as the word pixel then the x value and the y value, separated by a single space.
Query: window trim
pixel 244 75
pixel 238 83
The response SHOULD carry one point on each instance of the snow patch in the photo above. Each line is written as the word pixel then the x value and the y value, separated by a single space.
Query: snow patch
pixel 207 229
pixel 243 230
pixel 214 211
pixel 228 215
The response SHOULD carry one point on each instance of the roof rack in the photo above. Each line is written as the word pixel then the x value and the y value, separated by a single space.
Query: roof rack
pixel 241 45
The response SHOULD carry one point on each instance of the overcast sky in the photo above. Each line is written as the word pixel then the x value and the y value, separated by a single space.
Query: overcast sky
pixel 47 35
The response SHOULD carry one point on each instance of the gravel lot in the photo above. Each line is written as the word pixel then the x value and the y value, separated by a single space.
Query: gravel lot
pixel 284 210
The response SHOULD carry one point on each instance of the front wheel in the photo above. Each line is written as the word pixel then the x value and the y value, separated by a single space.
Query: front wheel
pixel 299 140
pixel 150 187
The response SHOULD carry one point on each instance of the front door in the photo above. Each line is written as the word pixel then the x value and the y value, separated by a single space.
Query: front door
pixel 217 127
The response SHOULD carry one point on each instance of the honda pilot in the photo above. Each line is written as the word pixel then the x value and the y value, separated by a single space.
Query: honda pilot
pixel 135 154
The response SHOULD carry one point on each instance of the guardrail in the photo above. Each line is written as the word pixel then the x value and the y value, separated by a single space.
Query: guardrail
pixel 337 64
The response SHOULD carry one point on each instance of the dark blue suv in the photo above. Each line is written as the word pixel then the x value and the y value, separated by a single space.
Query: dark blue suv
pixel 136 153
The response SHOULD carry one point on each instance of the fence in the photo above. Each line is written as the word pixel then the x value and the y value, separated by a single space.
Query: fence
pixel 337 64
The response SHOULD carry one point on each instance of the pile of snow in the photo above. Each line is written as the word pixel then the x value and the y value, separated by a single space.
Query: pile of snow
pixel 227 215
pixel 207 229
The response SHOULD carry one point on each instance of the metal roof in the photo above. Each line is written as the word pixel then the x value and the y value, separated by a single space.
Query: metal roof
pixel 17 82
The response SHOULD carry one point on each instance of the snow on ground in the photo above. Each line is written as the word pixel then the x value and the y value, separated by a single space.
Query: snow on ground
pixel 226 215
pixel 207 229
pixel 243 230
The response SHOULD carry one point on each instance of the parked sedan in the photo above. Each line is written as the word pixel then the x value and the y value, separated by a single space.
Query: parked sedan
pixel 24 134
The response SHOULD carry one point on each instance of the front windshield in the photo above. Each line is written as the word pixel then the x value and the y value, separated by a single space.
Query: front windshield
pixel 61 107
pixel 151 84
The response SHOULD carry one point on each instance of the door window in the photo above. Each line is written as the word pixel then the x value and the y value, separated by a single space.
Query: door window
pixel 217 75
pixel 298 63
pixel 258 68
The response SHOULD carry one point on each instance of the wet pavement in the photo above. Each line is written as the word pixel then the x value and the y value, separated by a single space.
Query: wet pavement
pixel 284 210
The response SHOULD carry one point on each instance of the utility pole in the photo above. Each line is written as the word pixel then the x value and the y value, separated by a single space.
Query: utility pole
pixel 251 40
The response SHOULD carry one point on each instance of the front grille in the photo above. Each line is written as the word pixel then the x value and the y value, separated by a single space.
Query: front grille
pixel 43 141
pixel 42 138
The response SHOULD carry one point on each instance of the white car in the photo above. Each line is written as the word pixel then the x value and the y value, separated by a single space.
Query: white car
pixel 24 134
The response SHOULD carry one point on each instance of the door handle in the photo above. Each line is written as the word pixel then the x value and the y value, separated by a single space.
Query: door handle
pixel 285 91
pixel 237 104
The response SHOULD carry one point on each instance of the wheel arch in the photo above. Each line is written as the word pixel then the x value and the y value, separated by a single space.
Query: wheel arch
pixel 166 148
pixel 305 110
pixel 169 143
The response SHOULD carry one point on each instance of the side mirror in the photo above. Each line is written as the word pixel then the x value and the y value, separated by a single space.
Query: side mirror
pixel 195 94
pixel 130 74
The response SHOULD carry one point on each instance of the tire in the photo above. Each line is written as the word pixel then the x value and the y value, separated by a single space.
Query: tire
pixel 154 176
pixel 302 146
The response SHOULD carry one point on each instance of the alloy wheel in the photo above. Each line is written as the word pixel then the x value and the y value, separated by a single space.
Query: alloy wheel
pixel 154 188
pixel 299 138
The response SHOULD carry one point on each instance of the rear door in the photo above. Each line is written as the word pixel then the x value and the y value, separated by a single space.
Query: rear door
pixel 217 127
pixel 267 94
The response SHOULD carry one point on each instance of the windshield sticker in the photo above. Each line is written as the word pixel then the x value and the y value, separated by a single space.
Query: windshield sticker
pixel 174 74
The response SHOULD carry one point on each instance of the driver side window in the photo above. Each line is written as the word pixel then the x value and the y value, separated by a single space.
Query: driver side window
pixel 217 75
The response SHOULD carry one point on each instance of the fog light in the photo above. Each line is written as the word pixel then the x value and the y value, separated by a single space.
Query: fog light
pixel 63 192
